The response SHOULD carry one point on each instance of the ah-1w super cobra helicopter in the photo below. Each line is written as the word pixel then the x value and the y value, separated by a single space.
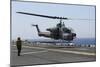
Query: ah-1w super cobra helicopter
pixel 58 32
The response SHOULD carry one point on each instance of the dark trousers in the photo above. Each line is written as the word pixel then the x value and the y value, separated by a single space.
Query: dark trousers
pixel 19 49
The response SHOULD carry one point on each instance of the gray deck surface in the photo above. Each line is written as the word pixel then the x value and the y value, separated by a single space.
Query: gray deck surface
pixel 34 55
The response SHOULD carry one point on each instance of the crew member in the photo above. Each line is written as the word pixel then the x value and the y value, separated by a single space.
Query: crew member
pixel 19 45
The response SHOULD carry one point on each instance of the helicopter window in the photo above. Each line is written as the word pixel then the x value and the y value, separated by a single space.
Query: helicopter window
pixel 66 30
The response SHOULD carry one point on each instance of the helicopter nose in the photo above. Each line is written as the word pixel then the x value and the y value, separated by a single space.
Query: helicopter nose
pixel 74 34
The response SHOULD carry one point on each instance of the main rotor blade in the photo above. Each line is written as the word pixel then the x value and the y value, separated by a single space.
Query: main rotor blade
pixel 81 19
pixel 52 17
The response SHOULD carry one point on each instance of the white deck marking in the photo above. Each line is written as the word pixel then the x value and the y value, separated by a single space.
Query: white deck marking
pixel 15 51
pixel 64 51
pixel 82 49
pixel 33 52
pixel 74 52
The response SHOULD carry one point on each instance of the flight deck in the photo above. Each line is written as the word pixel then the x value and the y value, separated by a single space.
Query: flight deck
pixel 51 54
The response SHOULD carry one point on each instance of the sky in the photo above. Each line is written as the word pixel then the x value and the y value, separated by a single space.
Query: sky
pixel 21 24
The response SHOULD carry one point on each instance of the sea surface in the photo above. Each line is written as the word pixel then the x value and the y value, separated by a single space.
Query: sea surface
pixel 78 41
pixel 85 41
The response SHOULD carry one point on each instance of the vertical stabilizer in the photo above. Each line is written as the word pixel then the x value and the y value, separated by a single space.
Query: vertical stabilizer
pixel 36 28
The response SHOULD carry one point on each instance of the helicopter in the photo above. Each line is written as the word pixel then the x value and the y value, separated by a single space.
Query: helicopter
pixel 59 32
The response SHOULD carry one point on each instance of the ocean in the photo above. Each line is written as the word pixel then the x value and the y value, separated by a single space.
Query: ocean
pixel 77 41
pixel 85 41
